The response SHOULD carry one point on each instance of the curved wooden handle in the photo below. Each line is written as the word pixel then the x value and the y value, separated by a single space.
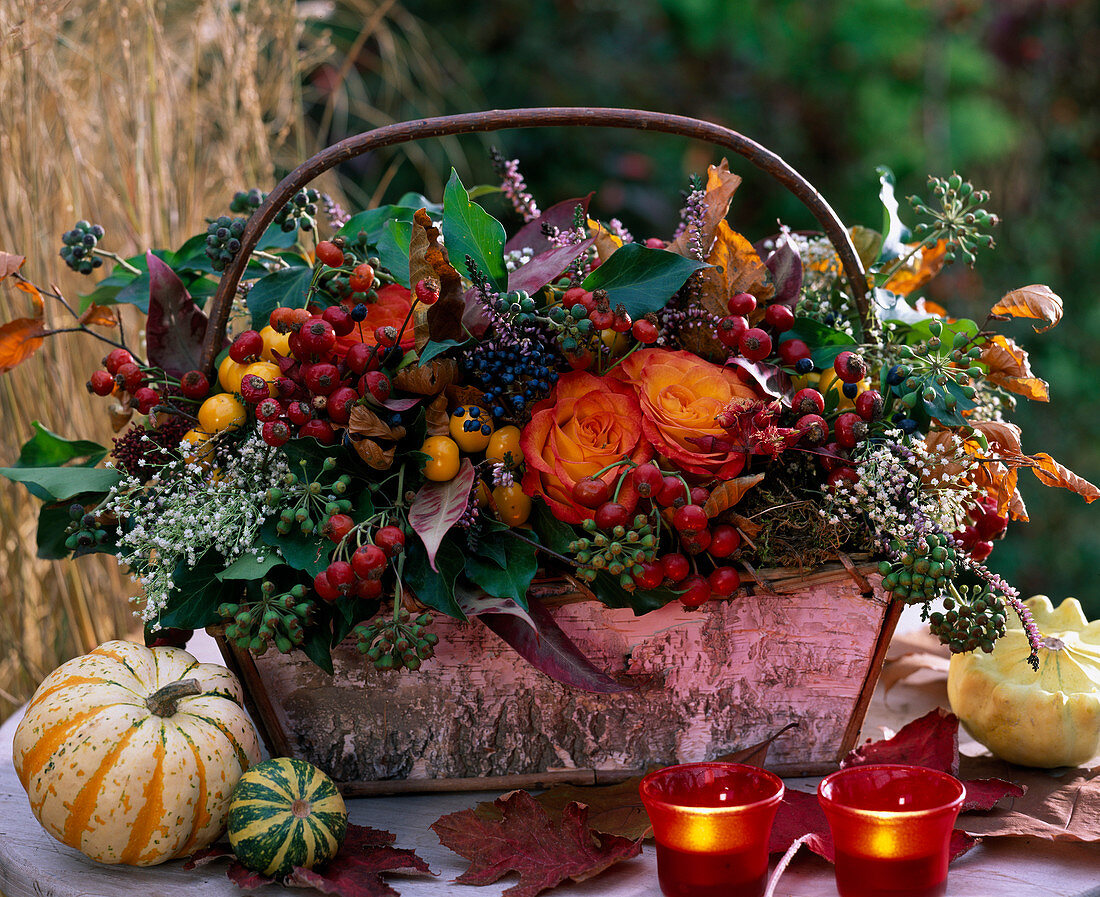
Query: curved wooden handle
pixel 495 120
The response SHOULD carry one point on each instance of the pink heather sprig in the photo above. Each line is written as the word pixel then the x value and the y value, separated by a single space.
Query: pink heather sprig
pixel 336 214
pixel 618 229
pixel 999 586
pixel 514 186
pixel 693 220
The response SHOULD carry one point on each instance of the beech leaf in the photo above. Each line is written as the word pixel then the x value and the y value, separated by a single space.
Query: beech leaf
pixel 9 263
pixel 176 326
pixel 436 417
pixel 725 495
pixel 36 297
pixel 721 185
pixel 19 340
pixel 1010 369
pixel 550 650
pixel 921 268
pixel 526 841
pixel 1051 473
pixel 364 422
pixel 736 269
pixel 1035 301
pixel 428 260
pixel 427 379
pixel 439 506
pixel 98 316
pixel 373 454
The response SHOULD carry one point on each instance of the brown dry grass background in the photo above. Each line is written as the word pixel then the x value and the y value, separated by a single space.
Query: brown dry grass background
pixel 144 117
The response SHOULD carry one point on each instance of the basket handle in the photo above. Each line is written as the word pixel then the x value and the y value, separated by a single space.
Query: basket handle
pixel 499 119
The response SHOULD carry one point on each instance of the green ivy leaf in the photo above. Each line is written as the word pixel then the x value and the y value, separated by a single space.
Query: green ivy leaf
pixel 608 590
pixel 250 566
pixel 287 286
pixel 554 534
pixel 62 483
pixel 393 249
pixel 642 279
pixel 510 581
pixel 54 519
pixel 194 599
pixel 305 553
pixel 435 588
pixel 471 231
pixel 825 343
pixel 316 647
pixel 47 449
pixel 432 349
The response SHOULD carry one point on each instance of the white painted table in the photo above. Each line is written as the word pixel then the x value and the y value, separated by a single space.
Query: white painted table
pixel 32 864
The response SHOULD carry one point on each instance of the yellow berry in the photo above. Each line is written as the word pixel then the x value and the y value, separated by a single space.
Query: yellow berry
pixel 195 446
pixel 830 381
pixel 274 342
pixel 504 446
pixel 617 342
pixel 230 374
pixel 476 439
pixel 443 460
pixel 223 411
pixel 513 506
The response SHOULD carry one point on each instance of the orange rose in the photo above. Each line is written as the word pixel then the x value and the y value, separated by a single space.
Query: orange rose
pixel 585 424
pixel 681 395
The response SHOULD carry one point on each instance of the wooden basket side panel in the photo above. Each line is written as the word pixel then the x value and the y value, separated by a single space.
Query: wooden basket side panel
pixel 705 683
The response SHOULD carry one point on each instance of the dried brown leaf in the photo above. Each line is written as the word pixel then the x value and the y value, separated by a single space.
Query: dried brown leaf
pixel 737 268
pixel 436 417
pixel 721 185
pixel 428 261
pixel 428 379
pixel 9 263
pixel 901 668
pixel 1010 369
pixel 98 316
pixel 726 494
pixel 748 526
pixel 364 422
pixel 373 454
pixel 1034 301
pixel 36 297
pixel 19 340
pixel 1052 473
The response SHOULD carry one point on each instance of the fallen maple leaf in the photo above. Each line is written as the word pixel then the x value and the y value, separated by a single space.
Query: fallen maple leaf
pixel 527 841
pixel 356 871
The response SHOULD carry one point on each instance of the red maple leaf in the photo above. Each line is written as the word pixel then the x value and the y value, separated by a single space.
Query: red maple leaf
pixel 356 871
pixel 527 841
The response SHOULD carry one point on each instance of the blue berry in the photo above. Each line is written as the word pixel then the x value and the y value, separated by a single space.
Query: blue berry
pixel 804 365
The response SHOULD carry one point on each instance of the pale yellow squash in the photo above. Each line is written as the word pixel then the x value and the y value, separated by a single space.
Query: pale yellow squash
pixel 131 754
pixel 1047 718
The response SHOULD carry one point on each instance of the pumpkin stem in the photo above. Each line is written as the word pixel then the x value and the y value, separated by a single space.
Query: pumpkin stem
pixel 301 808
pixel 163 701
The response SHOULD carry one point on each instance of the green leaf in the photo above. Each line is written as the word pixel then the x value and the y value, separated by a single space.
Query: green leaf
pixel 61 483
pixel 393 249
pixel 47 449
pixel 608 590
pixel 894 232
pixel 432 349
pixel 510 581
pixel 642 279
pixel 277 238
pixel 481 190
pixel 53 519
pixel 287 286
pixel 194 599
pixel 471 231
pixel 419 201
pixel 554 534
pixel 250 566
pixel 825 343
pixel 305 553
pixel 435 588
pixel 316 647
pixel 373 222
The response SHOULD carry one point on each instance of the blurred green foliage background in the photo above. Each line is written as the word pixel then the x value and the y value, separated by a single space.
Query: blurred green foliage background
pixel 1004 91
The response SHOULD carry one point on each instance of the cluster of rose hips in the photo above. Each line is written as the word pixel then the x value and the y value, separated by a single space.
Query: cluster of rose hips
pixel 122 373
pixel 584 313
pixel 986 526
pixel 624 535
pixel 756 343
pixel 357 571
pixel 403 642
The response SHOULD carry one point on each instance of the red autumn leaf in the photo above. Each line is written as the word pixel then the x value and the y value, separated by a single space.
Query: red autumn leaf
pixel 800 816
pixel 356 871
pixel 931 741
pixel 439 506
pixel 9 263
pixel 528 842
pixel 985 794
pixel 176 326
pixel 1035 301
pixel 19 340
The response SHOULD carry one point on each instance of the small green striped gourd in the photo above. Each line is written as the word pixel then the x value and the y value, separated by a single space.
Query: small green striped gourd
pixel 286 813
pixel 130 754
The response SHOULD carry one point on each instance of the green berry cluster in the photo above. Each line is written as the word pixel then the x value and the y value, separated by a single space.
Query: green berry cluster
pixel 223 240
pixel 393 644
pixel 84 530
pixel 278 618
pixel 307 502
pixel 78 249
pixel 573 329
pixel 972 618
pixel 516 305
pixel 923 570
pixel 620 552
pixel 959 220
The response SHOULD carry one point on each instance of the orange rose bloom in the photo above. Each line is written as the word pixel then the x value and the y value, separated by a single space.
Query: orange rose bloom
pixel 585 424
pixel 681 395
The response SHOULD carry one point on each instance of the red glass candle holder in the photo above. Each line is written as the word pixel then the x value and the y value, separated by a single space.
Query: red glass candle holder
pixel 712 822
pixel 891 828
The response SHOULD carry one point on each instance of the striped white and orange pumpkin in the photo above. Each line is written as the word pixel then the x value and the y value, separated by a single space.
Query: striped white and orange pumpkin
pixel 131 754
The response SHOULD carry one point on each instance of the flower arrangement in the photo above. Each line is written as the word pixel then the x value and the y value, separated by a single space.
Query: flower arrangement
pixel 415 413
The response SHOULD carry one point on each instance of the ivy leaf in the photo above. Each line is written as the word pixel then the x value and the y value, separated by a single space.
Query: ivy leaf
pixel 436 587
pixel 472 232
pixel 433 348
pixel 439 506
pixel 374 222
pixel 287 286
pixel 560 216
pixel 825 343
pixel 642 279
pixel 251 565
pixel 526 841
pixel 547 266
pixel 304 553
pixel 47 449
pixel 176 326
pixel 510 580
pixel 62 483
pixel 550 650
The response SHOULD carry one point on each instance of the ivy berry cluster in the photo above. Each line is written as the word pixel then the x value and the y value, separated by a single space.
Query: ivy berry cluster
pixel 277 618
pixel 959 220
pixel 79 245
pixel 400 643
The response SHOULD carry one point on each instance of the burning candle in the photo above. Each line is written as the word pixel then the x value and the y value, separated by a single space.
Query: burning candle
pixel 891 828
pixel 712 822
